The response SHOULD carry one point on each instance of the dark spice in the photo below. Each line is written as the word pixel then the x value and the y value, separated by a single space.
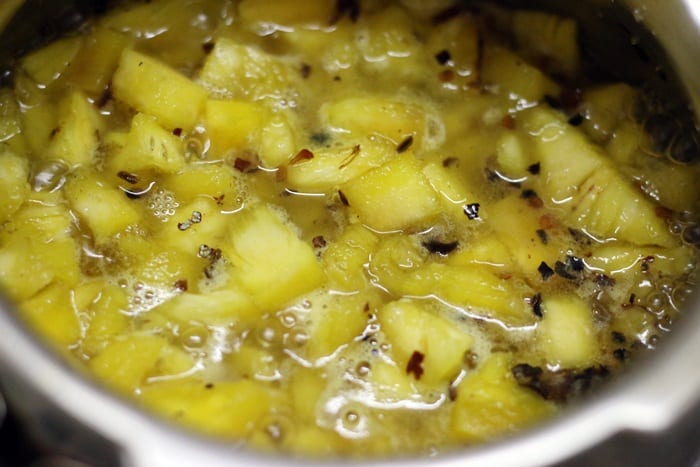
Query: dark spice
pixel 450 162
pixel 534 169
pixel 562 271
pixel 603 280
pixel 559 385
pixel 302 156
pixel 182 226
pixel 576 120
pixel 472 210
pixel 349 8
pixel 177 132
pixel 441 248
pixel 207 47
pixel 128 177
pixel 621 354
pixel 445 76
pixel 305 70
pixel 354 152
pixel 343 199
pixel 181 285
pixel 544 238
pixel 443 57
pixel 545 271
pixel 243 165
pixel 209 386
pixel 405 144
pixel 318 241
pixel 320 138
pixel 508 122
pixel 448 13
pixel 646 262
pixel 536 304
pixel 618 337
pixel 196 217
pixel 415 364
pixel 105 97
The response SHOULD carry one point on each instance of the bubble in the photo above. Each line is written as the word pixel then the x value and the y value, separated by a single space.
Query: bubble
pixel 681 293
pixel 266 336
pixel 675 227
pixel 194 337
pixel 50 176
pixel 691 234
pixel 162 204
pixel 288 319
pixel 656 302
pixel 661 129
pixel 363 368
pixel 684 148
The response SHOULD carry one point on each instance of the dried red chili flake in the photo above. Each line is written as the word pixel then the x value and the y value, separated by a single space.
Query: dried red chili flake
pixel 302 156
pixel 663 213
pixel 177 132
pixel 415 365
pixel 508 122
pixel 207 47
pixel 181 285
pixel 446 76
pixel 319 242
pixel 243 165
pixel 547 221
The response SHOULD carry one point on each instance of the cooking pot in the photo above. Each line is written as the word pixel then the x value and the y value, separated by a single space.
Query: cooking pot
pixel 649 415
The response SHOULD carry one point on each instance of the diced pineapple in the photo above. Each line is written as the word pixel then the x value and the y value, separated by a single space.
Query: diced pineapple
pixel 92 67
pixel 396 196
pixel 605 108
pixel 363 116
pixel 14 186
pixel 454 188
pixel 513 76
pixel 76 136
pixel 241 71
pixel 548 38
pixel 105 209
pixel 491 404
pixel 107 320
pixel 38 122
pixel 152 87
pixel 486 250
pixel 233 124
pixel 47 64
pixel 566 337
pixel 210 226
pixel 589 190
pixel 217 181
pixel 328 168
pixel 618 258
pixel 10 117
pixel 459 37
pixel 394 259
pixel 285 13
pixel 390 382
pixel 228 409
pixel 252 362
pixel 51 314
pixel 674 185
pixel 306 389
pixel 166 268
pixel 413 330
pixel 514 156
pixel 345 258
pixel 148 146
pixel 517 225
pixel 269 259
pixel 278 140
pixel 220 307
pixel 335 321
pixel 127 362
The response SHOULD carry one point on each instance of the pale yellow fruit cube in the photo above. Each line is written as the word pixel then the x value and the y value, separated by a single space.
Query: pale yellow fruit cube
pixel 76 136
pixel 233 124
pixel 14 185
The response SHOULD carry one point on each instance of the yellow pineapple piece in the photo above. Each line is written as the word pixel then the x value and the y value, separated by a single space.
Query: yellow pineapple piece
pixel 588 189
pixel 215 181
pixel 14 186
pixel 278 140
pixel 390 382
pixel 491 404
pixel 76 135
pixel 395 196
pixel 517 225
pixel 425 344
pixel 619 258
pixel 127 362
pixel 459 37
pixel 514 156
pixel 566 337
pixel 148 146
pixel 94 63
pixel 270 260
pixel 51 314
pixel 38 122
pixel 233 125
pixel 103 208
pixel 345 258
pixel 605 108
pixel 548 38
pixel 197 223
pixel 241 71
pixel 672 184
pixel 152 87
pixel 363 116
pixel 219 307
pixel 10 120
pixel 306 389
pixel 228 409
pixel 107 319
pixel 328 168
pixel 48 63
pixel 512 76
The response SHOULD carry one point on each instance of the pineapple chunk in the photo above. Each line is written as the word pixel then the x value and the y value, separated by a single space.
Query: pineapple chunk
pixel 251 362
pixel 306 391
pixel 38 122
pixel 393 197
pixel 269 259
pixel 127 362
pixel 566 336
pixel 229 409
pixel 107 320
pixel 148 146
pixel 514 156
pixel 278 139
pixel 152 87
pixel 617 258
pixel 51 314
pixel 344 260
pixel 14 187
pixel 605 108
pixel 285 13
pixel 10 117
pixel 92 67
pixel 76 136
pixel 589 190
pixel 514 77
pixel 331 167
pixel 47 64
pixel 220 307
pixel 490 403
pixel 234 125
pixel 412 329
pixel 181 233
pixel 240 71
pixel 216 181
pixel 104 208
pixel 364 116
pixel 458 36
pixel 674 185
pixel 548 38
pixel 516 224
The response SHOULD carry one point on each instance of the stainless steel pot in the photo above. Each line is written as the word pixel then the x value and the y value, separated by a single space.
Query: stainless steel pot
pixel 650 415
